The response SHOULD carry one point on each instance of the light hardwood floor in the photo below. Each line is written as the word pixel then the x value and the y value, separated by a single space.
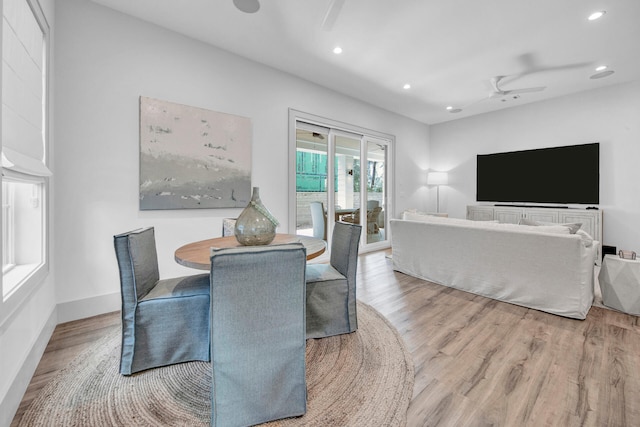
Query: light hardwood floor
pixel 478 362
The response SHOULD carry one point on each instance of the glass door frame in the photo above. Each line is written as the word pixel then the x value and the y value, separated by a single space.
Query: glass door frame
pixel 352 131
pixel 331 150
pixel 364 195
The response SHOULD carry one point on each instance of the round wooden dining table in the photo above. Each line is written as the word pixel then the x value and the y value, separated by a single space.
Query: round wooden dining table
pixel 197 254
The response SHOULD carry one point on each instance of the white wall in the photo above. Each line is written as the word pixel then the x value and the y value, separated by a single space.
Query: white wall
pixel 609 115
pixel 106 60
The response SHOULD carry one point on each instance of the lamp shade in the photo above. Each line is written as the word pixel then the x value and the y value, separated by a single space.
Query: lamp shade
pixel 437 178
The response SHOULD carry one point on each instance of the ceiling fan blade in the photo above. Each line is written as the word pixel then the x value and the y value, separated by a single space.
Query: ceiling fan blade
pixel 494 83
pixel 531 64
pixel 332 14
pixel 524 90
pixel 473 103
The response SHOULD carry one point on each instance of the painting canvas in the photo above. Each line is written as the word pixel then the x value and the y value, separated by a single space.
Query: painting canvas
pixel 193 158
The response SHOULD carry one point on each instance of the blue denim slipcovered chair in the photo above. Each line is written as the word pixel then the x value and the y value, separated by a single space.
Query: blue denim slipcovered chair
pixel 257 334
pixel 163 321
pixel 331 288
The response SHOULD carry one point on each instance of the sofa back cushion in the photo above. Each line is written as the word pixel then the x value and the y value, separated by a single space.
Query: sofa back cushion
pixel 413 215
pixel 572 226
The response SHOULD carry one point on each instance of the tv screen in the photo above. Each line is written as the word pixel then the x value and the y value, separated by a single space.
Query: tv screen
pixel 563 175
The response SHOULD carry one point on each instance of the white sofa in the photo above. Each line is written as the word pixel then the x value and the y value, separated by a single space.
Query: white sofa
pixel 542 267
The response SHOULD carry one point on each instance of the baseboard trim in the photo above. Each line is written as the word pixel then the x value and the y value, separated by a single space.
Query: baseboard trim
pixel 88 307
pixel 13 397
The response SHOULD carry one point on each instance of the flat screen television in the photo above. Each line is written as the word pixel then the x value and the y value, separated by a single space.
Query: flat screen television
pixel 561 175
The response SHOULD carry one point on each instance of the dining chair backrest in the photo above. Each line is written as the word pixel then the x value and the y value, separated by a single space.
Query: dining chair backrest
pixel 345 242
pixel 258 334
pixel 138 261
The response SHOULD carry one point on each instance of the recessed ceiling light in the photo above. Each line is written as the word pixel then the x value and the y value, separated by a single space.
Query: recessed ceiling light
pixel 600 68
pixel 449 107
pixel 337 50
pixel 597 15
pixel 406 86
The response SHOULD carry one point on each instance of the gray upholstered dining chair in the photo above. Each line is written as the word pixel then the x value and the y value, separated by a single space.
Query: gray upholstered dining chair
pixel 163 321
pixel 331 288
pixel 258 335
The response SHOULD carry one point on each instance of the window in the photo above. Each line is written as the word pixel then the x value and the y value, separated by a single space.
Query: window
pixel 22 231
pixel 24 142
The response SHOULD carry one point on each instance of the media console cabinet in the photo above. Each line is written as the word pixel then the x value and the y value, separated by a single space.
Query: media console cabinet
pixel 591 219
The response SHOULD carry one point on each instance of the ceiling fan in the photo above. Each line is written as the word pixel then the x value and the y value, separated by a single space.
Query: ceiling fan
pixel 499 93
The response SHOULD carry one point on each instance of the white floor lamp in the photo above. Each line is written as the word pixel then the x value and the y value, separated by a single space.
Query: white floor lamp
pixel 437 179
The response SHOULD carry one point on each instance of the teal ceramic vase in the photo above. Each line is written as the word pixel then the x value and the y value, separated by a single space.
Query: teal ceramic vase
pixel 255 225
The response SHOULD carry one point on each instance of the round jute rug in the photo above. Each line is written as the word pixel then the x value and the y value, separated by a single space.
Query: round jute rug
pixel 359 379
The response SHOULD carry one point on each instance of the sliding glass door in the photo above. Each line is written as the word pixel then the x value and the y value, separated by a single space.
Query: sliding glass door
pixel 311 180
pixel 356 190
pixel 376 189
pixel 346 154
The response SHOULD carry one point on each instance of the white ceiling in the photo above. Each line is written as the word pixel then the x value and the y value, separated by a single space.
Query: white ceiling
pixel 448 50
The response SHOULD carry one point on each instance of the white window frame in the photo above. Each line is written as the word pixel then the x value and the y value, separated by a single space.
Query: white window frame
pixel 17 273
pixel 8 256
pixel 27 282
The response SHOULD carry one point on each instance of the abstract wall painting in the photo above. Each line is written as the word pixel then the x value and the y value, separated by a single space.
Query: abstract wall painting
pixel 193 158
